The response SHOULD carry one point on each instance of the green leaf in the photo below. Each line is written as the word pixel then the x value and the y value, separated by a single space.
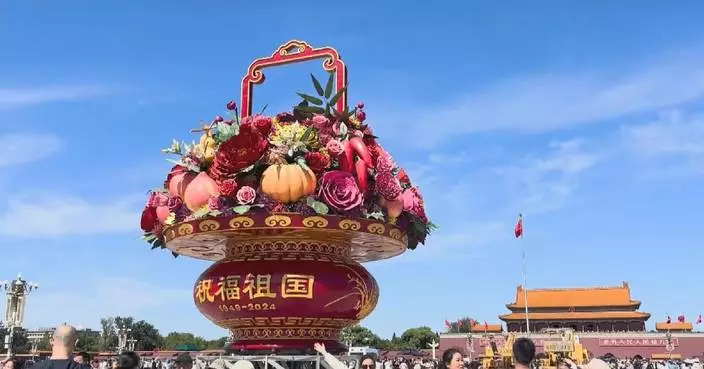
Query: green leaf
pixel 302 162
pixel 328 85
pixel 241 209
pixel 320 208
pixel 343 130
pixel 310 201
pixel 334 98
pixel 174 254
pixel 155 247
pixel 201 212
pixel 311 99
pixel 318 87
pixel 376 215
pixel 306 134
pixel 311 109
pixel 263 109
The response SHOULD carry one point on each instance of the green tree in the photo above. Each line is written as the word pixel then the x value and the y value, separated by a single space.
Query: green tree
pixel 20 343
pixel 88 341
pixel 463 325
pixel 357 335
pixel 44 344
pixel 108 337
pixel 217 344
pixel 148 337
pixel 418 338
pixel 175 339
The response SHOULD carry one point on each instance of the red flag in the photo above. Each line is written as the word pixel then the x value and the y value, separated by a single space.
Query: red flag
pixel 669 320
pixel 447 324
pixel 699 318
pixel 518 229
pixel 680 318
pixel 459 324
pixel 486 326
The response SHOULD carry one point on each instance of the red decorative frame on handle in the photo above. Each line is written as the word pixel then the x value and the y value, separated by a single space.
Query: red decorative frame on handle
pixel 292 52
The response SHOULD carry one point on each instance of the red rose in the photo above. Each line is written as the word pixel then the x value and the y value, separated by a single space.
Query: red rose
pixel 339 190
pixel 149 219
pixel 228 188
pixel 261 122
pixel 238 152
pixel 316 161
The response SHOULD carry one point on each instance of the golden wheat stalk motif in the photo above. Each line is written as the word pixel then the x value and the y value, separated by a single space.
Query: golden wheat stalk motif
pixel 367 296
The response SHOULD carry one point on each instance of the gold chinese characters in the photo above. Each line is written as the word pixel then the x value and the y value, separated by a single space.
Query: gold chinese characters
pixel 235 287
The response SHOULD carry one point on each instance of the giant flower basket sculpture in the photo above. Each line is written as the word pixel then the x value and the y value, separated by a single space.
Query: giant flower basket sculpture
pixel 287 207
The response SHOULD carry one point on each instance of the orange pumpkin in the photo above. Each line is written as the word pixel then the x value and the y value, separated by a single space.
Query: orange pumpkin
pixel 288 182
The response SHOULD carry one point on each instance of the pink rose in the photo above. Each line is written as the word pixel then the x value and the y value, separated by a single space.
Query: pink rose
pixel 246 195
pixel 339 190
pixel 335 148
pixel 320 121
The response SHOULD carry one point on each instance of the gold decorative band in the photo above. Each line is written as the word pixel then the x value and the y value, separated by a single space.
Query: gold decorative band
pixel 302 333
pixel 286 322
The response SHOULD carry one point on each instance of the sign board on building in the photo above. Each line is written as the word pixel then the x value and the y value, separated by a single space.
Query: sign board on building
pixel 650 342
pixel 558 346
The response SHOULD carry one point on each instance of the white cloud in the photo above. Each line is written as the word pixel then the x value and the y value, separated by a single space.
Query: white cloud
pixel 18 149
pixel 544 102
pixel 52 216
pixel 94 297
pixel 671 146
pixel 450 242
pixel 20 97
pixel 544 184
pixel 671 135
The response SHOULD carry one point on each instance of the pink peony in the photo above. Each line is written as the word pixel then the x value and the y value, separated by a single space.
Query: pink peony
pixel 339 190
pixel 157 199
pixel 387 185
pixel 413 203
pixel 335 148
pixel 384 163
pixel 246 195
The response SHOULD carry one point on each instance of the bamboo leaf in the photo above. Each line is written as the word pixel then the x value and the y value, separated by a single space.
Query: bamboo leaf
pixel 311 109
pixel 328 85
pixel 316 84
pixel 334 98
pixel 312 99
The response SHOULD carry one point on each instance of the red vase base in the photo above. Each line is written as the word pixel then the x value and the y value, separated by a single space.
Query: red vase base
pixel 284 347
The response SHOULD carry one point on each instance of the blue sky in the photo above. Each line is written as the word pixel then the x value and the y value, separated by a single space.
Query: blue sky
pixel 585 116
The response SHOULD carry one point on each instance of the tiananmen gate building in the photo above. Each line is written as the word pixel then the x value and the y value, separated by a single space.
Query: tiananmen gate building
pixel 606 319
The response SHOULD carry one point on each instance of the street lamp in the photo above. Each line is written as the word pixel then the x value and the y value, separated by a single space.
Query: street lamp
pixel 122 333
pixel 669 346
pixel 131 343
pixel 16 291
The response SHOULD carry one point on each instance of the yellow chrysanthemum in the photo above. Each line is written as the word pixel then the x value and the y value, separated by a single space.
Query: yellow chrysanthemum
pixel 291 136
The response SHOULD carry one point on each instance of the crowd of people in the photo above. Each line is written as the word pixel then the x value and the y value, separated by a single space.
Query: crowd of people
pixel 64 339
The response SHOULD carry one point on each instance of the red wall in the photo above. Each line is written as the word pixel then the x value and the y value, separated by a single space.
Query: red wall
pixel 619 344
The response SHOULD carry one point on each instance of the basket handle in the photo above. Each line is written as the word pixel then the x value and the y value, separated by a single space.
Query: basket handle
pixel 292 52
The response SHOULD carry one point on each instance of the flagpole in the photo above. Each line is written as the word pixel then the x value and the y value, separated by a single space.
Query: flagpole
pixel 525 285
